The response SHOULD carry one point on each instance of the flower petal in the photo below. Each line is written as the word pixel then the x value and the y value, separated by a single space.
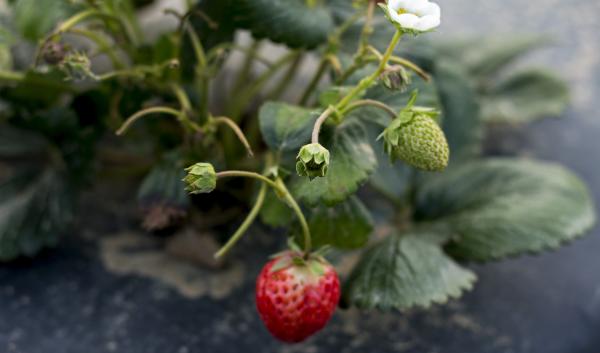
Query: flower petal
pixel 394 5
pixel 432 9
pixel 427 23
pixel 412 6
pixel 407 20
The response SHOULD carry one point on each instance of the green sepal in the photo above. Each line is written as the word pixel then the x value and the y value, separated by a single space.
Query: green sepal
pixel 201 178
pixel 312 161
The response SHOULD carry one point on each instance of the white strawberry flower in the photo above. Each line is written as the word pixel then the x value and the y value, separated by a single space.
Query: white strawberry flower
pixel 413 15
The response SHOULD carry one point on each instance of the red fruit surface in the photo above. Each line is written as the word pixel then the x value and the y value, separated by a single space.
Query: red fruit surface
pixel 295 301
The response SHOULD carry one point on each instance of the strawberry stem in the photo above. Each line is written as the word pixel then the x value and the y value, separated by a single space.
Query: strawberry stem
pixel 260 199
pixel 319 122
pixel 279 186
pixel 370 102
pixel 363 85
pixel 368 81
pixel 303 223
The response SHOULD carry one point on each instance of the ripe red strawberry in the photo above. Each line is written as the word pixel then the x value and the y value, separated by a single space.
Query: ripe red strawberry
pixel 295 297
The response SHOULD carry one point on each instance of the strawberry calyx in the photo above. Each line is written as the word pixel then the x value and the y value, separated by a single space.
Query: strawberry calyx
pixel 314 264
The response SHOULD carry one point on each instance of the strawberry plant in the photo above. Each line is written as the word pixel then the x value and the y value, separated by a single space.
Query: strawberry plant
pixel 361 122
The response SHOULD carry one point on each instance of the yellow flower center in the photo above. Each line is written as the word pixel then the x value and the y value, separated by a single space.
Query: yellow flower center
pixel 401 11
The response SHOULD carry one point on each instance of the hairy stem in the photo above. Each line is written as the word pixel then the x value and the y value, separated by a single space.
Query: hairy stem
pixel 182 97
pixel 245 97
pixel 244 74
pixel 319 122
pixel 367 28
pixel 201 77
pixel 286 80
pixel 410 65
pixel 323 64
pixel 236 129
pixel 245 174
pixel 303 223
pixel 368 81
pixel 260 199
pixel 103 45
pixel 11 76
pixel 279 186
pixel 372 103
pixel 153 110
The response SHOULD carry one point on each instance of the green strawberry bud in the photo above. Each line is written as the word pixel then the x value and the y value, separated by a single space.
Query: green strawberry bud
pixel 200 179
pixel 77 66
pixel 312 161
pixel 396 78
pixel 416 138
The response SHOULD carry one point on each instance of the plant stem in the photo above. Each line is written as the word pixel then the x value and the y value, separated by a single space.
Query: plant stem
pixel 245 97
pixel 244 74
pixel 286 79
pixel 369 102
pixel 203 80
pixel 75 19
pixel 303 223
pixel 133 72
pixel 319 122
pixel 409 64
pixel 102 44
pixel 260 199
pixel 152 110
pixel 70 23
pixel 236 129
pixel 366 82
pixel 11 76
pixel 182 97
pixel 315 80
pixel 245 174
pixel 367 28
pixel 279 186
pixel 251 54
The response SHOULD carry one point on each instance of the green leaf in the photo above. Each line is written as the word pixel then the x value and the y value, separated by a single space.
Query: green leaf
pixel 35 18
pixel 352 161
pixel 460 111
pixel 403 271
pixel 504 207
pixel 285 127
pixel 484 57
pixel 346 225
pixel 275 212
pixel 525 96
pixel 37 89
pixel 290 22
pixel 36 203
pixel 212 22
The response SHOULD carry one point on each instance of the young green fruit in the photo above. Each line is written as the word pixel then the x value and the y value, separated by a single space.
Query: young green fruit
pixel 200 179
pixel 77 66
pixel 416 139
pixel 312 161
pixel 296 297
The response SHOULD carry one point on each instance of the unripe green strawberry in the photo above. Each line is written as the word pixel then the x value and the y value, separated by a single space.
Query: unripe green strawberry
pixel 296 297
pixel 416 138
